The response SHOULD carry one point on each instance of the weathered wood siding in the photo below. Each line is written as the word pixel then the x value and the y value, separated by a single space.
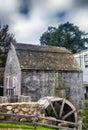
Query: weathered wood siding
pixel 12 76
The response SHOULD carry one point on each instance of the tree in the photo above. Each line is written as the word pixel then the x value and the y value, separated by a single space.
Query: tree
pixel 66 35
pixel 5 39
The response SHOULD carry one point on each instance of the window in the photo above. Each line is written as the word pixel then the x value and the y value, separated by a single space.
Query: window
pixel 86 92
pixel 14 85
pixel 14 82
pixel 86 60
pixel 7 81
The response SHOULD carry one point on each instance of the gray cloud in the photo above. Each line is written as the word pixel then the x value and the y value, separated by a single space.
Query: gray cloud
pixel 24 6
pixel 82 3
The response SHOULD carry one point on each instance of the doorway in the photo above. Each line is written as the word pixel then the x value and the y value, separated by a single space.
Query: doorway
pixel 1 91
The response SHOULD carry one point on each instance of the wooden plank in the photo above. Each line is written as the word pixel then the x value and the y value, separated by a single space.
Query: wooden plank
pixel 16 115
pixel 62 107
pixel 53 126
pixel 53 109
pixel 68 114
pixel 40 117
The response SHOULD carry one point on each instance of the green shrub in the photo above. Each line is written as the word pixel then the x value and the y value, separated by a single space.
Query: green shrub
pixel 85 116
pixel 86 104
pixel 85 112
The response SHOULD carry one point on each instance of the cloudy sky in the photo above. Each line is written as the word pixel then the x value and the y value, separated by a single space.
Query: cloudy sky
pixel 28 19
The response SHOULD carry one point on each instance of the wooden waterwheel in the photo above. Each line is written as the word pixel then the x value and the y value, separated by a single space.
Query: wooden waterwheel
pixel 59 108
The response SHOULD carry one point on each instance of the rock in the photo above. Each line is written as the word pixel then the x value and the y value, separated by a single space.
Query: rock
pixel 0 106
pixel 18 107
pixel 2 117
pixel 63 124
pixel 25 109
pixel 32 110
pixel 16 111
pixel 29 113
pixel 44 121
pixel 23 120
pixel 34 119
pixel 20 113
pixel 9 112
pixel 14 106
pixel 9 108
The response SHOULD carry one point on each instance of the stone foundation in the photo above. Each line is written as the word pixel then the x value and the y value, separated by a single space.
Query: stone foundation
pixel 29 108
pixel 8 99
pixel 3 99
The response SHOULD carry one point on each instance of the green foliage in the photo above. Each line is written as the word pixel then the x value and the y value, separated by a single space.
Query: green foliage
pixel 86 103
pixel 85 112
pixel 85 119
pixel 66 35
pixel 85 116
pixel 5 39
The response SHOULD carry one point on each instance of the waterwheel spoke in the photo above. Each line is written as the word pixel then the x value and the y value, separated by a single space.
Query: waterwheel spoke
pixel 53 109
pixel 68 114
pixel 59 108
pixel 62 107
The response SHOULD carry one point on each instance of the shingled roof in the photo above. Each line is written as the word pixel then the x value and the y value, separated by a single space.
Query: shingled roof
pixel 35 57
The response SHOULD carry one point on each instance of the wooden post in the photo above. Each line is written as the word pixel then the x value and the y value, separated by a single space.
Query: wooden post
pixel 79 125
pixel 35 125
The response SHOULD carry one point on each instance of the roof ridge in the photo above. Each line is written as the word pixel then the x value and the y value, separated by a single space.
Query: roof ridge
pixel 39 48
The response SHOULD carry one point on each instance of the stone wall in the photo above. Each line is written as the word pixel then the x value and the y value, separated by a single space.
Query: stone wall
pixel 29 108
pixel 40 84
pixel 74 81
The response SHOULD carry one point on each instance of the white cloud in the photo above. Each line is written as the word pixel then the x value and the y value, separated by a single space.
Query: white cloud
pixel 7 9
pixel 41 15
pixel 28 30
pixel 79 15
pixel 58 5
pixel 80 18
pixel 47 8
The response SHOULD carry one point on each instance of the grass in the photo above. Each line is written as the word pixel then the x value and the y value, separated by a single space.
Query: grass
pixel 30 127
pixel 85 112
